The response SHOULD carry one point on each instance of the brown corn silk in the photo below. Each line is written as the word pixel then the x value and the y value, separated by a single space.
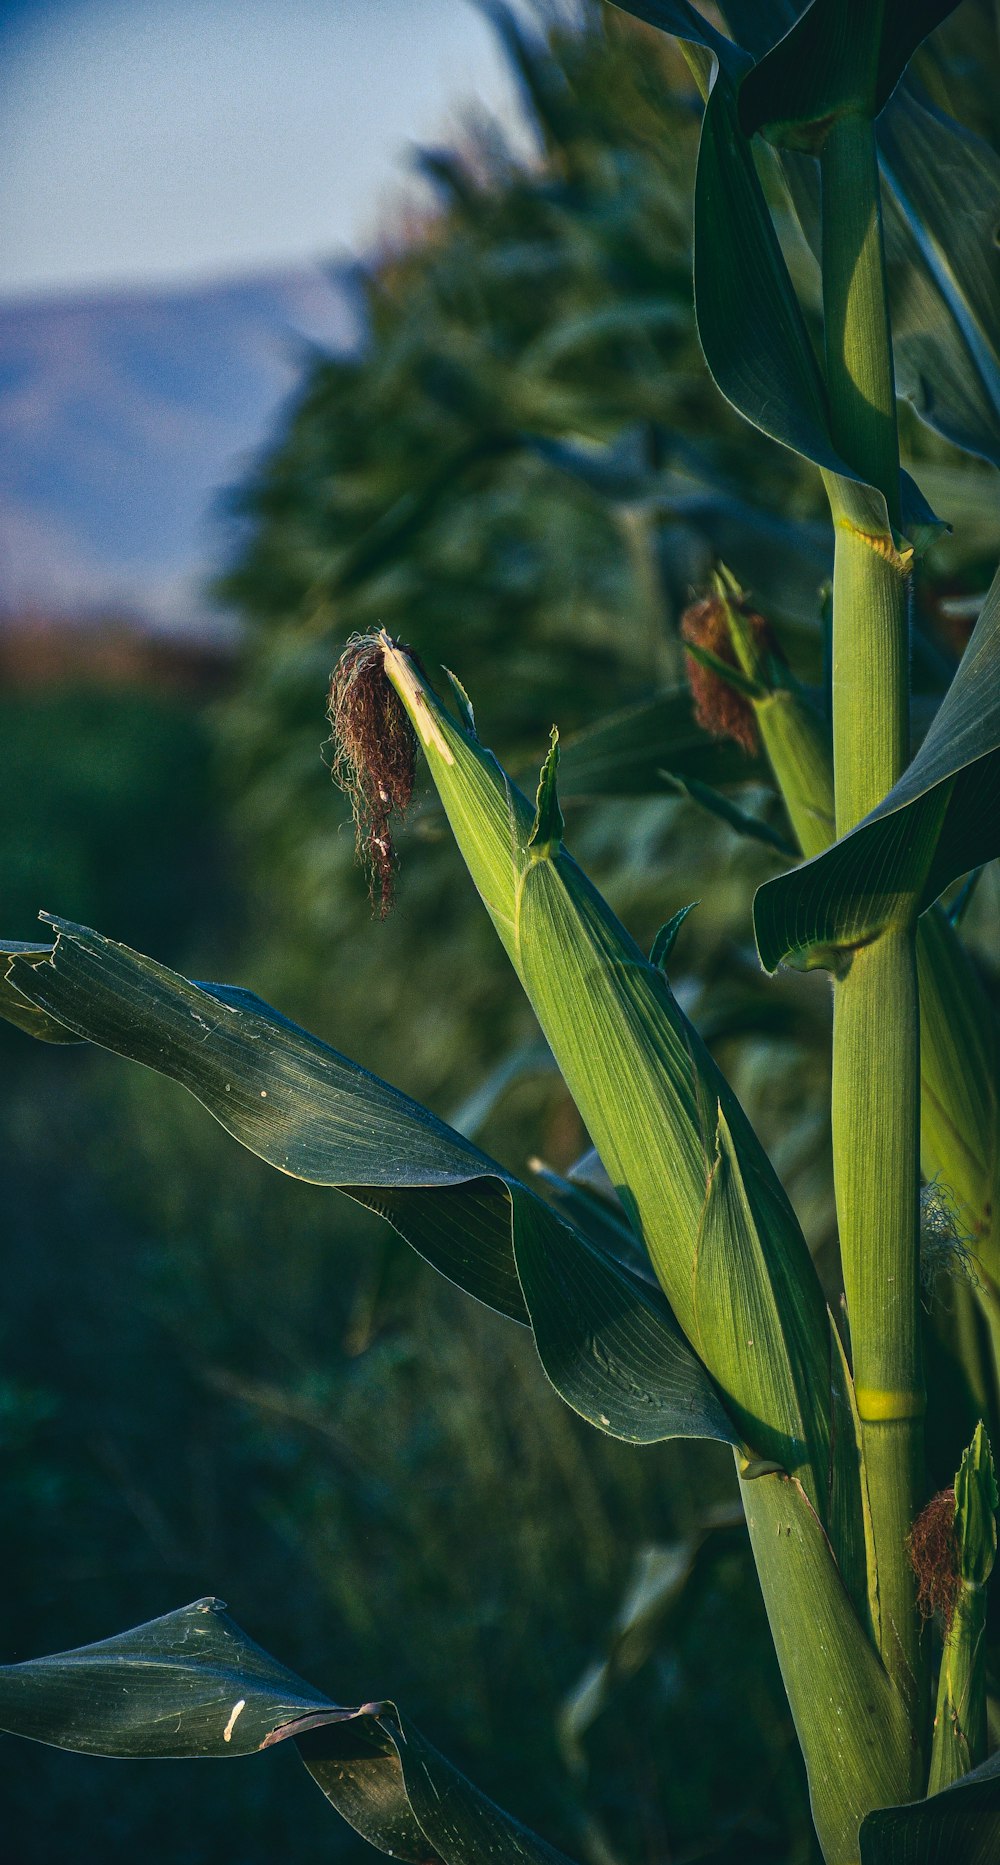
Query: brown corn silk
pixel 374 756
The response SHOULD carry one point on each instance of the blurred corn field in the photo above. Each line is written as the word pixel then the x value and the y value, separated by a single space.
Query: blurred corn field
pixel 527 471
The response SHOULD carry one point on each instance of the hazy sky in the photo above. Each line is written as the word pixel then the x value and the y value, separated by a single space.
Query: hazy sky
pixel 151 141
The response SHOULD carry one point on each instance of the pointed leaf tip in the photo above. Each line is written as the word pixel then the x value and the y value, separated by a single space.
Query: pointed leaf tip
pixel 548 827
pixel 666 938
pixel 466 715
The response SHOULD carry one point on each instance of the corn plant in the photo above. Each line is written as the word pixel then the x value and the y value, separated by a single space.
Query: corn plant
pixel 685 1302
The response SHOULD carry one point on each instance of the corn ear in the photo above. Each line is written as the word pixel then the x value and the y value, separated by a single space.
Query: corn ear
pixel 959 1742
pixel 794 736
pixel 694 1180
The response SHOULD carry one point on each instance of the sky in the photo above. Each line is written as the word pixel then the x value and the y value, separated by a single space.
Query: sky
pixel 150 141
pixel 183 184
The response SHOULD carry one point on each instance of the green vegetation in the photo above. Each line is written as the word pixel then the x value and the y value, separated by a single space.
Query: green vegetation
pixel 523 476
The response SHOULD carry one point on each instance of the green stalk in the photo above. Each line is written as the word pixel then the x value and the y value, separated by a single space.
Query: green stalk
pixel 876 1106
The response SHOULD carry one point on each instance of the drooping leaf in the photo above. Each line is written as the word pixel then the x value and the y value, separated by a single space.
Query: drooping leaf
pixel 626 754
pixel 739 820
pixel 752 329
pixel 684 21
pixel 941 819
pixel 750 322
pixel 959 1826
pixel 313 1114
pixel 941 187
pixel 193 1684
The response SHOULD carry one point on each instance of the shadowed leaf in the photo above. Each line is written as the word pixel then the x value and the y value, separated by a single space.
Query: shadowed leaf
pixel 192 1684
pixel 941 819
pixel 959 1826
pixel 610 1346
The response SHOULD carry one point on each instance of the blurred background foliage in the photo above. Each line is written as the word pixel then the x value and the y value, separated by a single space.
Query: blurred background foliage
pixel 219 1380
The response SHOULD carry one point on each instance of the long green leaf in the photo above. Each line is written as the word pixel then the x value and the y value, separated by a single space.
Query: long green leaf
pixel 609 1344
pixel 941 186
pixel 192 1684
pixel 625 755
pixel 941 819
pixel 959 1826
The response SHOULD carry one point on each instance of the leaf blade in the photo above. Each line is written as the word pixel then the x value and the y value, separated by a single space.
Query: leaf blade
pixel 324 1118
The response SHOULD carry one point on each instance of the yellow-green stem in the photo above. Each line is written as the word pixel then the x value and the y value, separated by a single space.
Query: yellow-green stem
pixel 870 689
pixel 859 370
pixel 875 1145
pixel 876 1106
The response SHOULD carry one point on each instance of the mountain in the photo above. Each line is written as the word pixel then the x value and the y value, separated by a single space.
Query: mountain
pixel 123 419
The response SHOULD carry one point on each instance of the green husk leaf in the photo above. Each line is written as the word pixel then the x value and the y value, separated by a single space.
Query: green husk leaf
pixel 548 827
pixel 960 1717
pixel 666 938
pixel 841 57
pixel 192 1684
pixel 724 670
pixel 976 1502
pixel 313 1114
pixel 941 819
pixel 463 702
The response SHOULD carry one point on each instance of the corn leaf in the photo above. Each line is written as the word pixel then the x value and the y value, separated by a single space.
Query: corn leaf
pixel 941 186
pixel 625 754
pixel 959 1826
pixel 940 192
pixel 750 322
pixel 609 1343
pixel 941 819
pixel 192 1684
pixel 739 820
pixel 840 57
pixel 16 1009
